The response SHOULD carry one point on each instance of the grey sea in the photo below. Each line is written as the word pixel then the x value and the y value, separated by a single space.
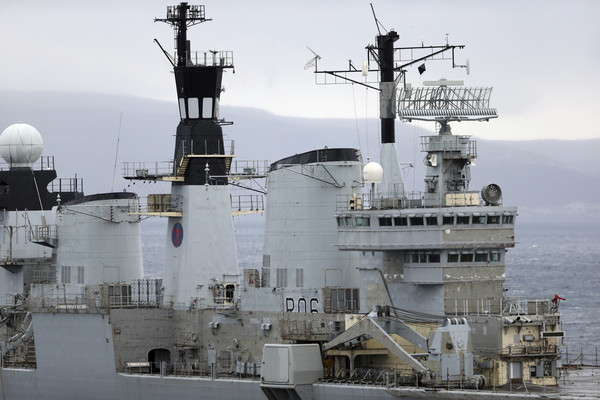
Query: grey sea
pixel 549 259
pixel 562 259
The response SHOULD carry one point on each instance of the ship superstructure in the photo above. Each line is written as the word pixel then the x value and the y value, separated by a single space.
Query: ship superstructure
pixel 361 282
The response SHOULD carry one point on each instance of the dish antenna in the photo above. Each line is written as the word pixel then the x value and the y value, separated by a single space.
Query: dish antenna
pixel 313 61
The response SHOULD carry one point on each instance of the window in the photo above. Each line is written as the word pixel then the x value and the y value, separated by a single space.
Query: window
pixel 207 104
pixel 478 218
pixel 400 221
pixel 417 220
pixel 452 257
pixel 363 221
pixel 341 221
pixel 433 257
pixel 421 258
pixel 462 219
pixel 385 221
pixel 431 220
pixel 448 220
pixel 507 219
pixel 182 112
pixel 481 257
pixel 80 276
pixel 493 219
pixel 495 256
pixel 349 221
pixel 194 107
pixel 466 257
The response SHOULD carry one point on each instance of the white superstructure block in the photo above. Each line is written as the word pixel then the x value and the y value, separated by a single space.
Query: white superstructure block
pixel 200 248
pixel 99 241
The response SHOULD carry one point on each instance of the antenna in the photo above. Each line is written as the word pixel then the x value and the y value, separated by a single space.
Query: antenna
pixel 181 17
pixel 313 61
pixel 377 23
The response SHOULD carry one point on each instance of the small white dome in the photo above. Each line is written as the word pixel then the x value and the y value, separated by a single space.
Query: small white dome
pixel 21 145
pixel 373 172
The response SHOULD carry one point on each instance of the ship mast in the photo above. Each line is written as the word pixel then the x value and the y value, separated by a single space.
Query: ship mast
pixel 200 255
pixel 390 63
pixel 201 156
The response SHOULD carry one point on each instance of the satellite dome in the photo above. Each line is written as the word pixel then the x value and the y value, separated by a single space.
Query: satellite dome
pixel 373 172
pixel 21 145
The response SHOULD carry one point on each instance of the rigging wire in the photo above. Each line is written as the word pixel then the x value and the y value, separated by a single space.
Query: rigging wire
pixel 367 120
pixel 356 119
pixel 112 189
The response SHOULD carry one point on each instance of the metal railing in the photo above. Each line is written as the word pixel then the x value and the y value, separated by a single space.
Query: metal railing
pixel 531 351
pixel 42 233
pixel 196 368
pixel 143 169
pixel 582 359
pixel 66 185
pixel 211 58
pixel 249 168
pixel 44 163
pixel 247 203
pixel 505 306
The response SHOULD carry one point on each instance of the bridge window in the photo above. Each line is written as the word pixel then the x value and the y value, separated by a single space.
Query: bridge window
pixel 507 219
pixel 385 221
pixel 207 106
pixel 493 219
pixel 182 111
pixel 363 221
pixel 433 257
pixel 452 257
pixel 466 257
pixel 416 220
pixel 495 256
pixel 431 220
pixel 462 219
pixel 481 257
pixel 400 221
pixel 448 219
pixel 193 108
pixel 478 218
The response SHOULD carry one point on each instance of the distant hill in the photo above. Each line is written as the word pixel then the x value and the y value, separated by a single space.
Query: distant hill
pixel 546 177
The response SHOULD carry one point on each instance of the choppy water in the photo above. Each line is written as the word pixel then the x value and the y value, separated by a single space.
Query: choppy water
pixel 549 259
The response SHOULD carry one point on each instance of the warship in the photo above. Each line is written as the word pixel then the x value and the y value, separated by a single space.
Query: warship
pixel 366 290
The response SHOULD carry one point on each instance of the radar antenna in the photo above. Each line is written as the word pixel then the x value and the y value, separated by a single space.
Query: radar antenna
pixel 444 101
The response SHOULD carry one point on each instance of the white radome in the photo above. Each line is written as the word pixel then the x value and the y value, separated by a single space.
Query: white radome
pixel 21 145
pixel 373 173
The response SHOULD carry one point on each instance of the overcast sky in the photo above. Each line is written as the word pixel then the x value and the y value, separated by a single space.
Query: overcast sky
pixel 542 57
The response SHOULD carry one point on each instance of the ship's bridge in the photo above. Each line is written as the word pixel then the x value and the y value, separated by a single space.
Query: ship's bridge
pixel 374 229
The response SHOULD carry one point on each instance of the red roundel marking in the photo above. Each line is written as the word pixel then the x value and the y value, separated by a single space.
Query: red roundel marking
pixel 177 235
